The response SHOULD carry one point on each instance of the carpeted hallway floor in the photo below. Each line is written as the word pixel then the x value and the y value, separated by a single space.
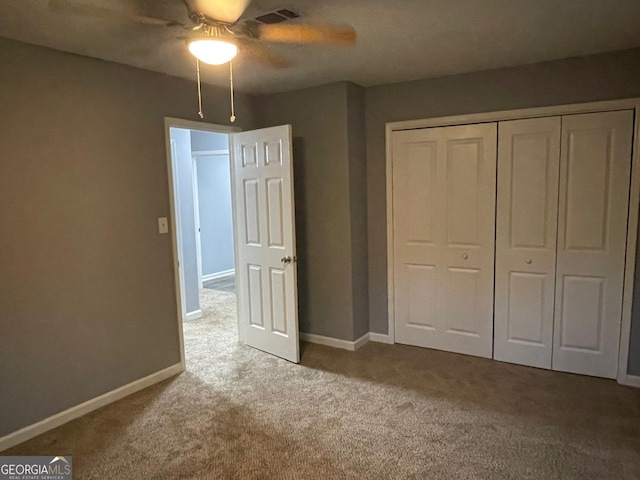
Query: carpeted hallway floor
pixel 383 412
pixel 226 284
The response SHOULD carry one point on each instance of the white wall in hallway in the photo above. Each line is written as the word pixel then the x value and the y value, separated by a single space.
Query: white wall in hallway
pixel 213 177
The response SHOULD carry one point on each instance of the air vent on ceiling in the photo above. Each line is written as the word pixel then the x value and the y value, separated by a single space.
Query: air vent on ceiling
pixel 278 16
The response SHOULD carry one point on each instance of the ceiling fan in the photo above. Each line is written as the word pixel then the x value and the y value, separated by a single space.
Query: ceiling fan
pixel 217 30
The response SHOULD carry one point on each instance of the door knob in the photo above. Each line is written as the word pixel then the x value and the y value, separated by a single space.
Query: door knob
pixel 528 261
pixel 286 259
pixel 465 256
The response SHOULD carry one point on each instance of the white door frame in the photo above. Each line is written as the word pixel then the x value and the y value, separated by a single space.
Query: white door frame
pixel 173 208
pixel 175 227
pixel 634 199
pixel 196 214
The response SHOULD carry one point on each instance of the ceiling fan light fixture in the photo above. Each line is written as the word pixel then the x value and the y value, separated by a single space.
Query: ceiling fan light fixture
pixel 212 50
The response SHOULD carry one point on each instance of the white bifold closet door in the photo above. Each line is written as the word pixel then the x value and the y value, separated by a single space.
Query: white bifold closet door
pixel 563 193
pixel 443 200
pixel 595 165
pixel 526 228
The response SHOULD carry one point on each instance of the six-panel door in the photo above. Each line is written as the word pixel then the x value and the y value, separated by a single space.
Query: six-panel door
pixel 266 270
pixel 444 213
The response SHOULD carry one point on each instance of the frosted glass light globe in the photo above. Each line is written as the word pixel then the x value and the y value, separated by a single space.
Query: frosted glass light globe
pixel 213 51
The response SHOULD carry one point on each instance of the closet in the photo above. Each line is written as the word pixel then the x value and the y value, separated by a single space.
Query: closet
pixel 509 239
pixel 526 240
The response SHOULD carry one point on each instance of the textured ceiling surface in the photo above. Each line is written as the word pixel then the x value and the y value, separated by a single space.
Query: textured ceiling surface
pixel 397 40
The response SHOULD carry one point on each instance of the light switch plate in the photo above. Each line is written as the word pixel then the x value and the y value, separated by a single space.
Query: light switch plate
pixel 163 225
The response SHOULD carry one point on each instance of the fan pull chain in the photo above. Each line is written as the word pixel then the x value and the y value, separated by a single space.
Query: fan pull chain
pixel 200 114
pixel 233 108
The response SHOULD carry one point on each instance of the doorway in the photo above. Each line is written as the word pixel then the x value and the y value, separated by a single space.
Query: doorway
pixel 213 210
pixel 220 177
pixel 203 212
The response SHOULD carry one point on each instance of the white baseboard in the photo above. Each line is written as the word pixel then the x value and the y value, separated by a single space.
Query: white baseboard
pixel 361 342
pixel 630 381
pixel 72 413
pixel 335 342
pixel 380 338
pixel 193 315
pixel 213 276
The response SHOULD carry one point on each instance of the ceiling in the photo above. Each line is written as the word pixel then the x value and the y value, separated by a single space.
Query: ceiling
pixel 398 40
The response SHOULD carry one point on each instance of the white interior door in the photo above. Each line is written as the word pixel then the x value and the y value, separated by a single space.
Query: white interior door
pixel 265 240
pixel 526 225
pixel 592 222
pixel 444 183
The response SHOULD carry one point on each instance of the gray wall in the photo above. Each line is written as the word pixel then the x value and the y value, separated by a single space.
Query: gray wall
pixel 321 163
pixel 585 79
pixel 207 141
pixel 216 215
pixel 186 216
pixel 357 151
pixel 87 298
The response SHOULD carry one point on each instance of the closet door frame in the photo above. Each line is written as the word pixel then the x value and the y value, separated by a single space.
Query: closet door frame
pixel 634 199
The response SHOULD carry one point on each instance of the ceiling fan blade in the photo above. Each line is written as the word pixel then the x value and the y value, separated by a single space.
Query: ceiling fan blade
pixel 79 8
pixel 262 54
pixel 307 34
pixel 226 11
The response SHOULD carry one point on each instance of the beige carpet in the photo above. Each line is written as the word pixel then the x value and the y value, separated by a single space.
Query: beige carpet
pixel 381 412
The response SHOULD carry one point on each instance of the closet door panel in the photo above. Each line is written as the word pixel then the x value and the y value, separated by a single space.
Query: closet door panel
pixel 460 294
pixel 467 164
pixel 420 291
pixel 444 213
pixel 527 316
pixel 592 228
pixel 527 204
pixel 416 254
